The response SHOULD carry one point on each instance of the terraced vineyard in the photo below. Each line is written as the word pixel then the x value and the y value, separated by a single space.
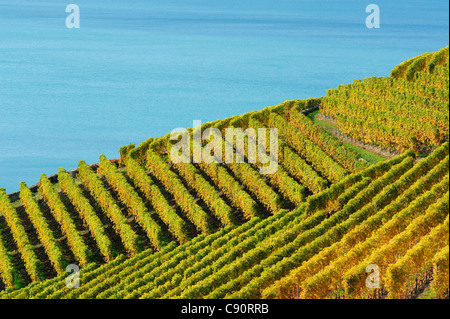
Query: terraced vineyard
pixel 147 227
pixel 109 210
pixel 408 110
pixel 370 215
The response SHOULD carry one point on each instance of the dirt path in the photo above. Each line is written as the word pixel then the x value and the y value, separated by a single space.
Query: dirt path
pixel 424 293
pixel 348 139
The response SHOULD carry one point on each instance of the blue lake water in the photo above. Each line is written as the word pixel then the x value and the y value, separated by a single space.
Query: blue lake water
pixel 141 68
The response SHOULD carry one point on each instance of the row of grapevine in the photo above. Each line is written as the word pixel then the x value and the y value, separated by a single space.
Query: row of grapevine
pixel 99 278
pixel 177 226
pixel 134 203
pixel 57 289
pixel 229 177
pixel 399 91
pixel 405 92
pixel 307 149
pixel 420 90
pixel 230 266
pixel 105 279
pixel 319 285
pixel 401 243
pixel 263 116
pixel 431 79
pixel 229 251
pixel 203 263
pixel 290 190
pixel 87 213
pixel 393 204
pixel 207 192
pixel 231 188
pixel 279 246
pixel 441 272
pixel 400 69
pixel 45 234
pixel 330 144
pixel 294 164
pixel 416 259
pixel 160 275
pixel 365 128
pixel 99 192
pixel 439 58
pixel 377 134
pixel 62 216
pixel 408 110
pixel 133 274
pixel 386 89
pixel 298 168
pixel 281 227
pixel 398 114
pixel 353 281
pixel 253 181
pixel 293 281
pixel 21 239
pixel 417 65
pixel 283 235
pixel 425 63
pixel 311 242
pixel 217 259
pixel 249 177
pixel 287 186
pixel 353 278
pixel 6 265
pixel 362 113
pixel 319 201
pixel 43 289
pixel 135 282
pixel 367 94
pixel 173 184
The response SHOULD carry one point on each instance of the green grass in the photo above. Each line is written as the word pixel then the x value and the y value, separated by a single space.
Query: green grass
pixel 370 157
pixel 325 125
pixel 312 115
pixel 428 294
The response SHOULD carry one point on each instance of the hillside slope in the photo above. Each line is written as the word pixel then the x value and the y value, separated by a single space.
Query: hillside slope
pixel 408 110
pixel 149 227
pixel 317 250
pixel 108 210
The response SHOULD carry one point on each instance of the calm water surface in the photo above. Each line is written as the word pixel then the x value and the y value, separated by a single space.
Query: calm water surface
pixel 141 68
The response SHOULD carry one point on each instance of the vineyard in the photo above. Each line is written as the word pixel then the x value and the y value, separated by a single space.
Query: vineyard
pixel 408 110
pixel 145 226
